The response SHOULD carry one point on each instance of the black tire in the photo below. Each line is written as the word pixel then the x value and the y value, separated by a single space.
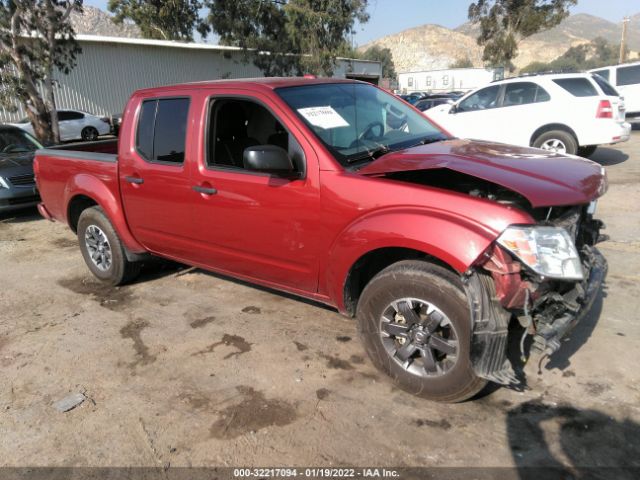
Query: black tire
pixel 118 270
pixel 565 138
pixel 587 151
pixel 89 134
pixel 442 289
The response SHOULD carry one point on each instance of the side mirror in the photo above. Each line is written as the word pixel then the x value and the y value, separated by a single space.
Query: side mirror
pixel 268 158
pixel 453 109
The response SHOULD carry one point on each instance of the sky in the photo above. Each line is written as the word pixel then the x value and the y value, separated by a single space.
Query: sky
pixel 393 16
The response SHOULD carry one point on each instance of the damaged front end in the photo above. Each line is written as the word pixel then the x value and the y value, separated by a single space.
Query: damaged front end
pixel 503 285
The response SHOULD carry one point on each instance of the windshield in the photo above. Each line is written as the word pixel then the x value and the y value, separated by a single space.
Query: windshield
pixel 358 122
pixel 16 141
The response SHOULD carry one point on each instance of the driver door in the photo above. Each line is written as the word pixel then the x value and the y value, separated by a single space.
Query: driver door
pixel 253 224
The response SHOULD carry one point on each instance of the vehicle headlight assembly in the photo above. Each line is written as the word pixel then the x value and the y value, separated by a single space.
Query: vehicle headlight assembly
pixel 3 183
pixel 548 251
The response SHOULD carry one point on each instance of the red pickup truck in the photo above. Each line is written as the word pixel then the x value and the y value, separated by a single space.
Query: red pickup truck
pixel 340 192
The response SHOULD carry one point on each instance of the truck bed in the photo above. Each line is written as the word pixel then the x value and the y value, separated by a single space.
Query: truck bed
pixel 75 168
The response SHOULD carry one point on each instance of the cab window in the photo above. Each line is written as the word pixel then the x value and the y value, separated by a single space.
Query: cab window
pixel 236 124
pixel 162 130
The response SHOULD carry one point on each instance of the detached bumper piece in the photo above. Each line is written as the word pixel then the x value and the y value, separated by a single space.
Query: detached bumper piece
pixel 559 314
pixel 490 331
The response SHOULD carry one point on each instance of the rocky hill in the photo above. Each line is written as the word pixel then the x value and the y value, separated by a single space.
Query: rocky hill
pixel 430 47
pixel 93 21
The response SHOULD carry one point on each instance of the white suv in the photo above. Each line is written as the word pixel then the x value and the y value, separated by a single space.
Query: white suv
pixel 566 113
pixel 626 78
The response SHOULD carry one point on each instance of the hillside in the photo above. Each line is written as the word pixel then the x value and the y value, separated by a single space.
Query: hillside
pixel 93 21
pixel 430 47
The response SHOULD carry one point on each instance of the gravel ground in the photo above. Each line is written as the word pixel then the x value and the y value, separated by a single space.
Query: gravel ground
pixel 185 368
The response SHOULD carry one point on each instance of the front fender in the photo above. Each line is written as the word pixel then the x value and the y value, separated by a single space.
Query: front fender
pixel 101 191
pixel 453 239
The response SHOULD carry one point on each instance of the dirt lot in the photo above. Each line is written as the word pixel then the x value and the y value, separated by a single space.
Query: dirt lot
pixel 192 369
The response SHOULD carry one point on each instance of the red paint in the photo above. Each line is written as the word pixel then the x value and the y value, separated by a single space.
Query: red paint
pixel 305 235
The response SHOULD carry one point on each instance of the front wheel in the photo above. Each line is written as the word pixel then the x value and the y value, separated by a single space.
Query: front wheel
pixel 415 323
pixel 102 249
pixel 557 141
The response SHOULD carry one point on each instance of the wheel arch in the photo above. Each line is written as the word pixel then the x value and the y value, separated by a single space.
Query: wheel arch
pixel 554 126
pixel 375 242
pixel 85 191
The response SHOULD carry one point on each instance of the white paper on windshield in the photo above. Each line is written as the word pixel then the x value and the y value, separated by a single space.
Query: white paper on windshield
pixel 323 117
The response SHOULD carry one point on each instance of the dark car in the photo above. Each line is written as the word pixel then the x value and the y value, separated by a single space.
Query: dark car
pixel 427 103
pixel 17 185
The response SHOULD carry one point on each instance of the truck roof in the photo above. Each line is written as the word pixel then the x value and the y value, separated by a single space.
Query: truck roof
pixel 264 82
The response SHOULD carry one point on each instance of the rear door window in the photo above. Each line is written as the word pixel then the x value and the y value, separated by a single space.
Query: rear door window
pixel 628 75
pixel 578 87
pixel 523 93
pixel 162 130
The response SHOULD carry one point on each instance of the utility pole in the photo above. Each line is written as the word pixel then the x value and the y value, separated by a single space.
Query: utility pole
pixel 623 41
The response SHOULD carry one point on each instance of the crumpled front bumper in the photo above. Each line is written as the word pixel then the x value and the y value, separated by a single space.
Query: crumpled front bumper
pixel 490 320
pixel 547 338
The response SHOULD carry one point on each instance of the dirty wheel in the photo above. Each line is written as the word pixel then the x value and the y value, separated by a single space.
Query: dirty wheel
pixel 587 151
pixel 557 141
pixel 414 321
pixel 102 249
pixel 89 134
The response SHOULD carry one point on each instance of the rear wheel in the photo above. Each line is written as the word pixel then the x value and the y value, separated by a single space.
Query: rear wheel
pixel 89 134
pixel 414 321
pixel 102 249
pixel 557 141
pixel 587 151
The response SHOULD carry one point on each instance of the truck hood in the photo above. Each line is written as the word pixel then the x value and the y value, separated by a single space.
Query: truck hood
pixel 544 178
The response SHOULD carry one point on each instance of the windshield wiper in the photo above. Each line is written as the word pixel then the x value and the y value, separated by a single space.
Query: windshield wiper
pixel 428 140
pixel 372 154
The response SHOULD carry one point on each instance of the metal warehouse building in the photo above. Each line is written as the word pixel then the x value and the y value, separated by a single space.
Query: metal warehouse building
pixel 111 68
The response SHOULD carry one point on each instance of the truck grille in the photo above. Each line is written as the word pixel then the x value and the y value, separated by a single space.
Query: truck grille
pixel 21 180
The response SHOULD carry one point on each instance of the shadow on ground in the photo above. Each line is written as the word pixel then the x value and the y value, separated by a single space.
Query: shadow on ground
pixel 608 156
pixel 563 442
pixel 19 216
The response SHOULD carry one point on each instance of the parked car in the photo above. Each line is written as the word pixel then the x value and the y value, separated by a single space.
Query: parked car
pixel 17 185
pixel 414 97
pixel 564 113
pixel 626 78
pixel 430 102
pixel 337 191
pixel 75 125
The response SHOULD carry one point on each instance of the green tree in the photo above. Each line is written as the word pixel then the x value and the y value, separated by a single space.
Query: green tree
pixel 159 19
pixel 36 42
pixel 384 56
pixel 505 23
pixel 462 63
pixel 285 36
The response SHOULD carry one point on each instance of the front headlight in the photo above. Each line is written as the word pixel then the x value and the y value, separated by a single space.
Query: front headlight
pixel 3 183
pixel 548 251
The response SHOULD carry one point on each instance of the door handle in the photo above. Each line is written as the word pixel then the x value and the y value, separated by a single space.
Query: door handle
pixel 204 190
pixel 136 180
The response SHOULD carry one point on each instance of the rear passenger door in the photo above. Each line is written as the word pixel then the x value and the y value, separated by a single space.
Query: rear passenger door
pixel 154 176
pixel 253 224
pixel 524 108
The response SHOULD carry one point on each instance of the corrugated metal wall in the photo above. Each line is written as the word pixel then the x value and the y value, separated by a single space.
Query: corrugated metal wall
pixel 107 73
